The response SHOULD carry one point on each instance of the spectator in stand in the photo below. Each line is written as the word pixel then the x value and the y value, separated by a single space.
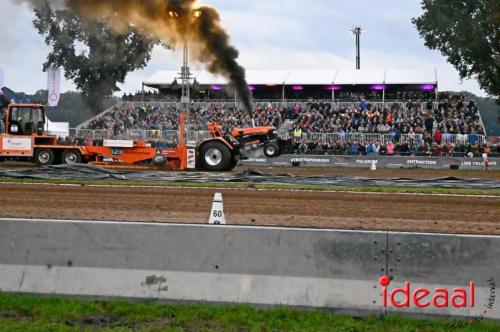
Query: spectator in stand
pixel 372 149
pixel 438 136
pixel 437 149
pixel 355 148
pixel 303 148
pixel 390 149
pixel 429 123
pixel 472 137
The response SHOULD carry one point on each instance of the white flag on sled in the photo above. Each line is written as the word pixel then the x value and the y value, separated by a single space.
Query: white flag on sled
pixel 54 86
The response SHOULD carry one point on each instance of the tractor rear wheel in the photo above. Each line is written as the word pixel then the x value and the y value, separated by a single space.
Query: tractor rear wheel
pixel 215 156
pixel 71 157
pixel 233 164
pixel 44 157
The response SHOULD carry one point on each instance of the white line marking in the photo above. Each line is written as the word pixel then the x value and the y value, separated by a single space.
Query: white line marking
pixel 249 189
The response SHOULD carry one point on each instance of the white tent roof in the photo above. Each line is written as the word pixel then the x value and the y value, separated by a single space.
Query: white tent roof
pixel 311 77
pixel 265 77
pixel 410 76
pixel 207 78
pixel 308 77
pixel 162 77
pixel 352 76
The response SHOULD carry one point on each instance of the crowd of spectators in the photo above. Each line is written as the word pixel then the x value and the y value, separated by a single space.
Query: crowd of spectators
pixel 413 127
pixel 340 96
pixel 405 148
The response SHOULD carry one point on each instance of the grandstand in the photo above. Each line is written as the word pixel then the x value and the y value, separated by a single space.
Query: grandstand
pixel 365 112
pixel 337 85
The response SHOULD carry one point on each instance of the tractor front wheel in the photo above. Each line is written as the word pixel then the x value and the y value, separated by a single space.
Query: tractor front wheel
pixel 272 150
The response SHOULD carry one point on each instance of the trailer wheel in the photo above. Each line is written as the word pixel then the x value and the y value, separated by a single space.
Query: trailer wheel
pixel 215 156
pixel 271 150
pixel 71 157
pixel 44 157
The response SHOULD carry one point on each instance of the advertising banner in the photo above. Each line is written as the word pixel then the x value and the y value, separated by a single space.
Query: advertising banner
pixel 366 162
pixel 54 86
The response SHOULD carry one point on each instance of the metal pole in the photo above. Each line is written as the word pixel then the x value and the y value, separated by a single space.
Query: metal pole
pixel 357 31
pixel 185 76
pixel 358 60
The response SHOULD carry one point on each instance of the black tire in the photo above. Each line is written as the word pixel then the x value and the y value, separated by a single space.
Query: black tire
pixel 44 157
pixel 272 150
pixel 234 163
pixel 71 157
pixel 214 156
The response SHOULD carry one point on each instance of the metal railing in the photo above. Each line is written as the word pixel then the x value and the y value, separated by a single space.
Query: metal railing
pixel 464 139
pixel 360 137
pixel 346 152
pixel 171 136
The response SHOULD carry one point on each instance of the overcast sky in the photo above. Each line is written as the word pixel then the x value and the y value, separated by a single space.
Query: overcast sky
pixel 289 34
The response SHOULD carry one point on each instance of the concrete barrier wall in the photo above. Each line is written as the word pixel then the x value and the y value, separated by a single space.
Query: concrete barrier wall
pixel 449 261
pixel 365 162
pixel 234 264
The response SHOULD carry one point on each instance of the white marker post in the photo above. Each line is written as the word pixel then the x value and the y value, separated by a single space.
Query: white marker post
pixel 373 166
pixel 217 213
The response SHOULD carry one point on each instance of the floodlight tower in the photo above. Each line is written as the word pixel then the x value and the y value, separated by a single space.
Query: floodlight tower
pixel 357 31
pixel 185 70
pixel 185 78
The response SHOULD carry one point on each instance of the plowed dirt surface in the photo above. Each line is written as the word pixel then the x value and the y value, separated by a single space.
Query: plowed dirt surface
pixel 363 211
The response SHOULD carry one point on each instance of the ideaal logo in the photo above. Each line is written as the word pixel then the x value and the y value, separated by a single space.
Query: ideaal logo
pixel 423 297
pixel 459 297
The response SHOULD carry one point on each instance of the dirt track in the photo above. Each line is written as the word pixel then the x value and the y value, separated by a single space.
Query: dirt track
pixel 252 207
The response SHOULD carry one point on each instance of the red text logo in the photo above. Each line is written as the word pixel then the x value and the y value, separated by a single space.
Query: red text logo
pixel 423 297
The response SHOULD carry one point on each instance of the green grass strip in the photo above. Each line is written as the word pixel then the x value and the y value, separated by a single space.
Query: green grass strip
pixel 32 313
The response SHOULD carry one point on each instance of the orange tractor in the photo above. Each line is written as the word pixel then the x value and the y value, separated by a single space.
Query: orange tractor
pixel 23 137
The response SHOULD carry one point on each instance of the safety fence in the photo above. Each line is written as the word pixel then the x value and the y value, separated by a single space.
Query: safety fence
pixel 343 152
pixel 171 136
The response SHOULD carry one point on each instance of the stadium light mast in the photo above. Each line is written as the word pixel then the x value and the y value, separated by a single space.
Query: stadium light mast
pixel 185 70
pixel 357 31
pixel 185 78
